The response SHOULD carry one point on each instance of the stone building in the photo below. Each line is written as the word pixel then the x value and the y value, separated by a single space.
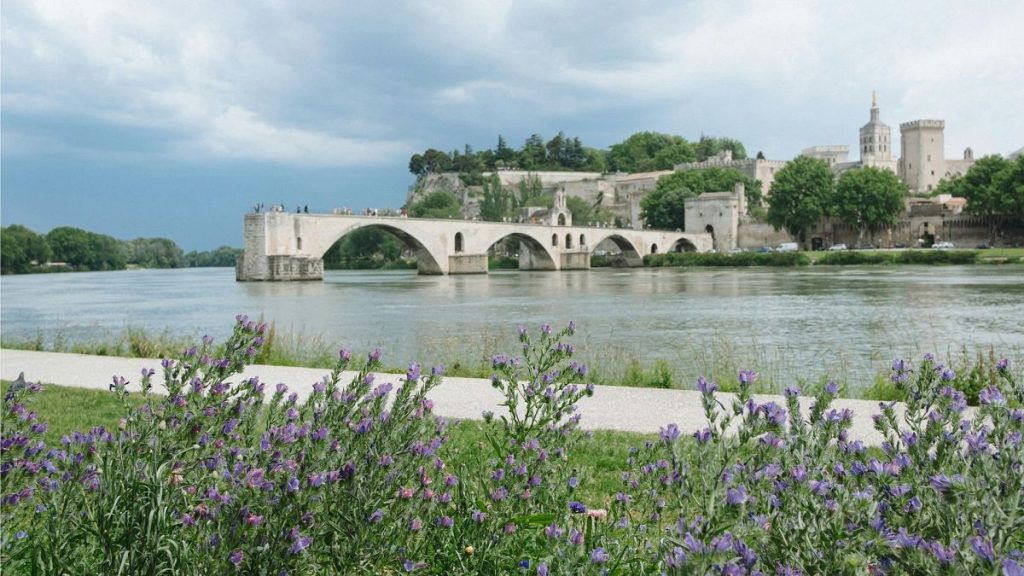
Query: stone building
pixel 754 168
pixel 923 163
pixel 718 214
pixel 832 154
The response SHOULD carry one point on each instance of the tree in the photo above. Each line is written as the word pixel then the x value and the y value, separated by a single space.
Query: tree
pixel 222 257
pixel 533 156
pixel 504 154
pixel 994 189
pixel 664 207
pixel 439 204
pixel 869 199
pixel 154 253
pixel 802 194
pixel 86 250
pixel 584 213
pixel 647 151
pixel 20 248
pixel 497 203
pixel 709 146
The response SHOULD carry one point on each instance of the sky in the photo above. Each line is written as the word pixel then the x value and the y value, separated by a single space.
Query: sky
pixel 172 119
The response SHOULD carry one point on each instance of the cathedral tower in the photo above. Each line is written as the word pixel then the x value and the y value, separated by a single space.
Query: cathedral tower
pixel 875 140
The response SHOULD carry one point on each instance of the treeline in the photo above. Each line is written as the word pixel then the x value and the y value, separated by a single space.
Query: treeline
pixel 65 248
pixel 641 152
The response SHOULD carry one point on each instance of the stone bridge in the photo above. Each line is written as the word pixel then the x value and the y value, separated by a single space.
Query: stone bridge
pixel 286 246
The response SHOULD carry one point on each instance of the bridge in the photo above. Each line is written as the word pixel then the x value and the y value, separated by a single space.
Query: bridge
pixel 286 246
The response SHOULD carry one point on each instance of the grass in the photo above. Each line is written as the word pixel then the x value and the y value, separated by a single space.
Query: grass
pixel 602 455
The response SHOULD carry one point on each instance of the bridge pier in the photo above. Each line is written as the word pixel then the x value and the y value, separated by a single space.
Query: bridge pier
pixel 467 264
pixel 278 268
pixel 530 261
pixel 578 260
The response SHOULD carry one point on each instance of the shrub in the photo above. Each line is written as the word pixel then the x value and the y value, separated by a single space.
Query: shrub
pixel 730 259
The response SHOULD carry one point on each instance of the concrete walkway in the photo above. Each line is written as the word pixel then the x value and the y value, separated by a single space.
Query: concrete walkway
pixel 643 410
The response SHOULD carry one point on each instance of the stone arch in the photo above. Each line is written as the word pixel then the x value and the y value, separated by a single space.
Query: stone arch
pixel 561 219
pixel 533 254
pixel 583 241
pixel 426 261
pixel 629 255
pixel 710 230
pixel 684 245
pixel 654 248
pixel 568 241
pixel 554 240
pixel 458 242
pixel 298 243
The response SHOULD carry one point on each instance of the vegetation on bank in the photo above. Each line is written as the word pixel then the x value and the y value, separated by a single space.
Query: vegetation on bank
pixel 225 475
pixel 67 249
pixel 836 258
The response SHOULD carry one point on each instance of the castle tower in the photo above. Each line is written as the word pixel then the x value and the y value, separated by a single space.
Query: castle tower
pixel 875 140
pixel 922 155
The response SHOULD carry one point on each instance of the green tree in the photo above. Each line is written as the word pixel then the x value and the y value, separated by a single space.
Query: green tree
pixel 86 250
pixel 802 194
pixel 531 189
pixel 505 155
pixel 533 156
pixel 20 248
pixel 221 257
pixel 497 203
pixel 994 189
pixel 869 199
pixel 647 151
pixel 363 248
pixel 585 214
pixel 154 253
pixel 664 207
pixel 439 204
pixel 709 146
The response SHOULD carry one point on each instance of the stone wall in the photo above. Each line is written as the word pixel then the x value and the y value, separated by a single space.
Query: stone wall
pixel 752 234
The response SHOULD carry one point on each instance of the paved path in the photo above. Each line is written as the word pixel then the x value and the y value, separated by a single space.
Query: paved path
pixel 643 410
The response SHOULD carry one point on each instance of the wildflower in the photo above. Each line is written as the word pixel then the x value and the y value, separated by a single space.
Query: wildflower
pixel 300 544
pixel 413 373
pixel 747 377
pixel 670 433
pixel 1003 365
pixel 704 386
pixel 597 513
pixel 948 374
pixel 577 507
pixel 416 525
pixel 598 556
pixel 478 516
pixel 575 537
pixel 791 391
pixel 573 482
pixel 831 388
pixel 983 548
pixel 736 496
pixel 553 531
pixel 703 436
pixel 510 528
pixel 375 355
pixel 991 395
pixel 445 522
pixel 542 569
pixel 236 557
pixel 941 483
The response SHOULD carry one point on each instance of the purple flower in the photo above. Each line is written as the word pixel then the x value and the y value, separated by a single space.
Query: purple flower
pixel 375 355
pixel 416 525
pixel 1003 365
pixel 747 377
pixel 799 473
pixel 670 433
pixel 575 537
pixel 413 373
pixel 300 544
pixel 542 569
pixel 545 328
pixel 445 522
pixel 941 483
pixel 344 355
pixel 945 555
pixel 598 556
pixel 983 548
pixel 236 557
pixel 553 531
pixel 991 395
pixel 704 386
pixel 703 436
pixel 948 374
pixel 292 485
pixel 577 507
pixel 573 482
pixel 736 496
pixel 831 388
pixel 1012 568
pixel 478 516
pixel 792 391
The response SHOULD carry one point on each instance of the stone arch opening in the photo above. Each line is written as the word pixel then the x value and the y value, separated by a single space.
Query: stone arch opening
pixel 561 219
pixel 458 242
pixel 532 253
pixel 554 240
pixel 620 251
pixel 568 241
pixel 710 230
pixel 654 248
pixel 684 245
pixel 426 262
pixel 298 243
pixel 583 241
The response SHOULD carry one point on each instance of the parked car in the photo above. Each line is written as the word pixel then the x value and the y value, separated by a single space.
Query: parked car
pixel 836 247
pixel 787 247
pixel 764 249
pixel 942 245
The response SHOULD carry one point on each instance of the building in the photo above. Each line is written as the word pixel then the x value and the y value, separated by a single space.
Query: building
pixel 754 168
pixel 832 155
pixel 923 163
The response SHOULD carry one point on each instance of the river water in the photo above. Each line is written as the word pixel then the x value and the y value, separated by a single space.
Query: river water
pixel 845 322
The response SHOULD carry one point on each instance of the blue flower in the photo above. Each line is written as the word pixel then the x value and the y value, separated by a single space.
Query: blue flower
pixel 598 556
pixel 577 507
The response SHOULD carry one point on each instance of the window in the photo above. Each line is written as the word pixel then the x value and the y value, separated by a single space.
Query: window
pixel 554 239
pixel 298 243
pixel 583 240
pixel 458 242
pixel 654 248
pixel 568 241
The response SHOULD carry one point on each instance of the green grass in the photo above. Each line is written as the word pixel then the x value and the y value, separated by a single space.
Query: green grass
pixel 600 458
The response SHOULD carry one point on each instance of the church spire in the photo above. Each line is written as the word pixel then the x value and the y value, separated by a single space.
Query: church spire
pixel 874 99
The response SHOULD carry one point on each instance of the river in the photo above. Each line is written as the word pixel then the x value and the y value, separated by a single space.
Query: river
pixel 843 322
